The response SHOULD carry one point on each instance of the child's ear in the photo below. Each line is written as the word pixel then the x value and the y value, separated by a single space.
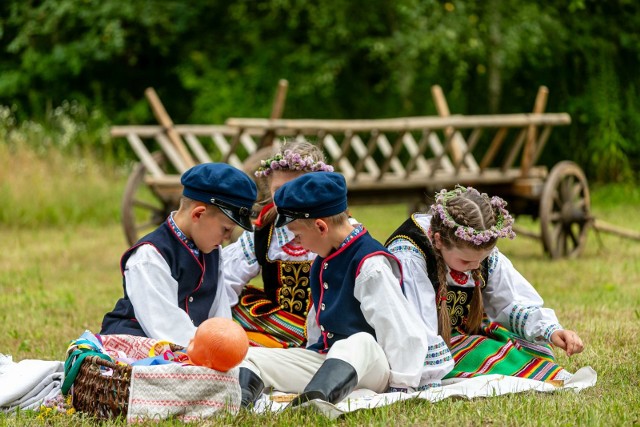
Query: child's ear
pixel 437 240
pixel 321 226
pixel 197 212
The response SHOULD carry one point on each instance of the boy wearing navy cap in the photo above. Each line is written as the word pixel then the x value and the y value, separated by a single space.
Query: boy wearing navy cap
pixel 172 277
pixel 362 333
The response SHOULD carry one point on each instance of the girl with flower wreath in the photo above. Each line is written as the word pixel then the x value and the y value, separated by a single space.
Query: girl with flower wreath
pixel 481 311
pixel 274 315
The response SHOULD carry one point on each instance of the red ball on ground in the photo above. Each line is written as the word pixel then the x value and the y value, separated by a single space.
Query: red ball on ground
pixel 219 344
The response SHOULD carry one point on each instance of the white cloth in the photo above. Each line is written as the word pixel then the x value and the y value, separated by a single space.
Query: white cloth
pixel 154 295
pixel 28 383
pixel 481 386
pixel 189 393
pixel 241 264
pixel 508 297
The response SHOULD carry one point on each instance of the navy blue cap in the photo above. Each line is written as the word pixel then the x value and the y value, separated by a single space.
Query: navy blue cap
pixel 312 195
pixel 224 186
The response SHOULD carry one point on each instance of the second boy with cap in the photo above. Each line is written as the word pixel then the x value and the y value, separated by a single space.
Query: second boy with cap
pixel 362 333
pixel 172 277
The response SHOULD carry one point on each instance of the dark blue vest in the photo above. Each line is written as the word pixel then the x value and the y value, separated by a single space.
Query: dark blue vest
pixel 333 279
pixel 197 282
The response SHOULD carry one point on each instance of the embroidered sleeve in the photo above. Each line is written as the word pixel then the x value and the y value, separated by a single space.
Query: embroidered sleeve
pixel 512 301
pixel 398 326
pixel 239 266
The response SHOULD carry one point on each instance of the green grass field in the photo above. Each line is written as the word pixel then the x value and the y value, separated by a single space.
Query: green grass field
pixel 58 280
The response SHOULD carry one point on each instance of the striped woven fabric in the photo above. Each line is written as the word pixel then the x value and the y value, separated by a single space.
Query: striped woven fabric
pixel 499 351
pixel 279 329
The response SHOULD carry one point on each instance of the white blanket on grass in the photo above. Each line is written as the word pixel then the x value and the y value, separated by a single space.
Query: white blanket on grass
pixel 481 386
pixel 28 383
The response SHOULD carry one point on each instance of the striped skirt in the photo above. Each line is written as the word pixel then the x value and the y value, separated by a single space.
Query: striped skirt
pixel 268 327
pixel 499 351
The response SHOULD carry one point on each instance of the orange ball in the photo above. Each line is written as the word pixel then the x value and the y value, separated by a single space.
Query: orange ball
pixel 219 344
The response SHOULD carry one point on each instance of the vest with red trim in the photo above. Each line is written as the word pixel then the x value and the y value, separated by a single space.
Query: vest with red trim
pixel 333 279
pixel 197 282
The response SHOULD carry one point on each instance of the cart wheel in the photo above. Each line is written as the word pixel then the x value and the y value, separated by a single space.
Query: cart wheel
pixel 142 209
pixel 565 208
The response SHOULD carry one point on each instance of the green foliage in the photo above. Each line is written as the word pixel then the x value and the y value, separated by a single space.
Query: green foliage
pixel 214 60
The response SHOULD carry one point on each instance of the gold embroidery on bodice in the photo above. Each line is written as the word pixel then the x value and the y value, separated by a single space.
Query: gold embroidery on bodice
pixel 456 304
pixel 293 295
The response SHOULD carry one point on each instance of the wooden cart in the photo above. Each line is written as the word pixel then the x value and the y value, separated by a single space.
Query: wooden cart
pixel 401 160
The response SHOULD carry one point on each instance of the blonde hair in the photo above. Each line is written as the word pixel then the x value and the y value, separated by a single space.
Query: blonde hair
pixel 337 219
pixel 468 209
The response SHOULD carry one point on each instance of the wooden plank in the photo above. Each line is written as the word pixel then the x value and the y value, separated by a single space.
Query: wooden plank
pixel 391 155
pixel 345 147
pixel 495 145
pixel 515 149
pixel 333 149
pixel 441 157
pixel 144 155
pixel 172 154
pixel 440 161
pixel 613 229
pixel 416 151
pixel 396 164
pixel 442 106
pixel 440 179
pixel 141 131
pixel 541 143
pixel 277 109
pixel 364 153
pixel 194 143
pixel 530 147
pixel 165 121
pixel 473 141
pixel 405 123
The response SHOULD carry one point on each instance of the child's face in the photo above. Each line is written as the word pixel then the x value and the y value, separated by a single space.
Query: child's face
pixel 211 229
pixel 310 236
pixel 280 177
pixel 462 259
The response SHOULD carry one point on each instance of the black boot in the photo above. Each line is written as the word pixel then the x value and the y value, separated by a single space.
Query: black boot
pixel 333 382
pixel 251 386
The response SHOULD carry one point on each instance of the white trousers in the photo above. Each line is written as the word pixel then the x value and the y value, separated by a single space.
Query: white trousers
pixel 290 370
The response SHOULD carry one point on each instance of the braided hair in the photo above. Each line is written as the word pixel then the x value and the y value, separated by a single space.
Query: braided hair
pixel 468 209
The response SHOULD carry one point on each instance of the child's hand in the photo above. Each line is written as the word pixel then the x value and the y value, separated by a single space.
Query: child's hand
pixel 569 341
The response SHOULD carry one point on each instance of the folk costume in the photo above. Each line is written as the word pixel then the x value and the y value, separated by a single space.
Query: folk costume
pixel 362 331
pixel 274 315
pixel 517 328
pixel 169 285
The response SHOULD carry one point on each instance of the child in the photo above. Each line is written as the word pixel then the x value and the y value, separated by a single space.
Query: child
pixel 275 315
pixel 172 276
pixel 362 331
pixel 454 274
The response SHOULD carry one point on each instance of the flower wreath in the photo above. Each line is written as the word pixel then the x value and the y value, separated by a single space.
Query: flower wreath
pixel 288 160
pixel 502 228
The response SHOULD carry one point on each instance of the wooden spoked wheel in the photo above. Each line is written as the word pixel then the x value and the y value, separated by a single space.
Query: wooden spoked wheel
pixel 565 211
pixel 142 208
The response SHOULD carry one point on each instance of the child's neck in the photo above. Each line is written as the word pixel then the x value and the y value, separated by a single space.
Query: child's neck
pixel 338 234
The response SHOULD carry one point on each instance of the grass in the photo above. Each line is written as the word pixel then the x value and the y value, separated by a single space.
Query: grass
pixel 59 279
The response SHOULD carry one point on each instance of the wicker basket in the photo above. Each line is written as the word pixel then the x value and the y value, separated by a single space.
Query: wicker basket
pixel 102 396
